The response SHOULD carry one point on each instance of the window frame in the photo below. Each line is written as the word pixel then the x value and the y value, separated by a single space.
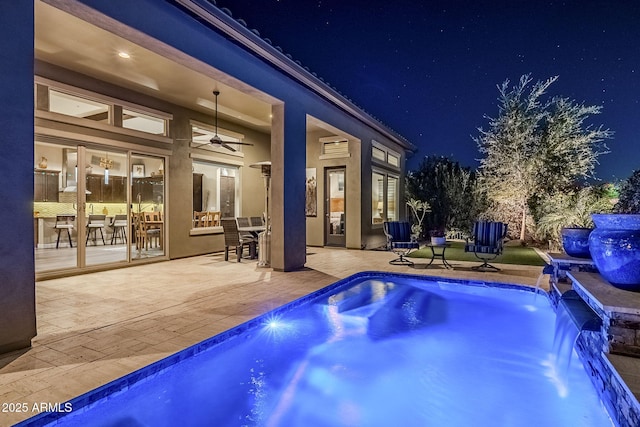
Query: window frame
pixel 215 162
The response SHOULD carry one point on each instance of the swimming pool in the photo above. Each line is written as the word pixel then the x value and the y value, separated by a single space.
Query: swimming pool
pixel 372 350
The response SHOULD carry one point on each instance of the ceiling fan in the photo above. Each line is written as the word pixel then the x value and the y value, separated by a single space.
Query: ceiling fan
pixel 216 141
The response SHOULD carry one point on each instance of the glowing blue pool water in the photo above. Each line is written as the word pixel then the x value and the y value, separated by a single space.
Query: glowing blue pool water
pixel 371 350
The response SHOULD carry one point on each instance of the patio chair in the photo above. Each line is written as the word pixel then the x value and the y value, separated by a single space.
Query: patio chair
pixel 487 243
pixel 399 241
pixel 256 221
pixel 233 239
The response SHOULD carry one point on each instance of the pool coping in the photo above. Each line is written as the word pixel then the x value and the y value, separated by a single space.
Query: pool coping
pixel 149 371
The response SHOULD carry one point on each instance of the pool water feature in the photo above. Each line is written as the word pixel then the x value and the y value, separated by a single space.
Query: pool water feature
pixel 371 350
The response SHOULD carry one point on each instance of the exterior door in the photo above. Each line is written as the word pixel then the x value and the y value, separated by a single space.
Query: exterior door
pixel 335 218
pixel 147 207
pixel 105 206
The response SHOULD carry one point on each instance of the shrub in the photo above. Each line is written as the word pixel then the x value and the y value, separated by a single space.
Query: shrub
pixel 629 198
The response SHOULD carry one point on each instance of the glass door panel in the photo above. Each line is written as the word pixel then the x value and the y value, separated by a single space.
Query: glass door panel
pixel 335 207
pixel 55 207
pixel 106 219
pixel 147 207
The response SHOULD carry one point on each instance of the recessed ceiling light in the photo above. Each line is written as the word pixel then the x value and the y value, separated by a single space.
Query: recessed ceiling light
pixel 124 55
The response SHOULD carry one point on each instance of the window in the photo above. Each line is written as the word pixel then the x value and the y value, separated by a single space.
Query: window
pixel 385 155
pixel 379 154
pixel 377 198
pixel 76 106
pixel 335 147
pixel 392 191
pixel 143 122
pixel 384 196
pixel 393 160
pixel 215 190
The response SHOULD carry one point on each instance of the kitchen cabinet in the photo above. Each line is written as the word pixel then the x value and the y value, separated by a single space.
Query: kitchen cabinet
pixel 150 189
pixel 45 185
pixel 113 192
pixel 197 192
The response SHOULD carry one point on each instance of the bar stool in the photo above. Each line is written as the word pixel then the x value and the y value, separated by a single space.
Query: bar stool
pixel 64 222
pixel 95 223
pixel 119 228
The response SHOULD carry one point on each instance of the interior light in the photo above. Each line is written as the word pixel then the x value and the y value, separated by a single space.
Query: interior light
pixel 124 55
pixel 106 177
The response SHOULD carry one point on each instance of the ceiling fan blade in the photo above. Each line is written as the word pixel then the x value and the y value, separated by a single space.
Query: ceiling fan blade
pixel 244 143
pixel 227 146
pixel 199 144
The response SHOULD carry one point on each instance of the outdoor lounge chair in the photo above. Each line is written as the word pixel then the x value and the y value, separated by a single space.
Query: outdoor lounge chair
pixel 487 243
pixel 399 241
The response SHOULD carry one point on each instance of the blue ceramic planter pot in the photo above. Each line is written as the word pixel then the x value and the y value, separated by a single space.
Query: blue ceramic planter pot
pixel 615 248
pixel 575 241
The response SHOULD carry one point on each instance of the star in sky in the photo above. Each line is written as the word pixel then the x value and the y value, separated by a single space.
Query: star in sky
pixel 429 70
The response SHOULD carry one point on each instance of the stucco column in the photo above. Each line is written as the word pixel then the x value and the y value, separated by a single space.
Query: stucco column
pixel 17 271
pixel 288 162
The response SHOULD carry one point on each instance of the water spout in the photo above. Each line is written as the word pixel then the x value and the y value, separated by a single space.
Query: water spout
pixel 581 314
pixel 573 316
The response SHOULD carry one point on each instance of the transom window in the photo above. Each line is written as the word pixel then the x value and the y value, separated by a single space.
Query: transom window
pixel 143 122
pixel 76 106
pixel 383 154
pixel 335 147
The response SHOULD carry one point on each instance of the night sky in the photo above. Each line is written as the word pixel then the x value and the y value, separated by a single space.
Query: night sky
pixel 429 69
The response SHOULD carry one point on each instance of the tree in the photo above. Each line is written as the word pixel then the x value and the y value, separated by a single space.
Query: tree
pixel 451 191
pixel 535 146
pixel 629 199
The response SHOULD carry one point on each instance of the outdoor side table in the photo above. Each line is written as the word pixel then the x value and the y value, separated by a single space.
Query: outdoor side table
pixel 437 253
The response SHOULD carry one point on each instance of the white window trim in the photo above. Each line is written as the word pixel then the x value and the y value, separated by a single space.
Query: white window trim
pixel 385 163
pixel 90 124
pixel 220 162
pixel 83 93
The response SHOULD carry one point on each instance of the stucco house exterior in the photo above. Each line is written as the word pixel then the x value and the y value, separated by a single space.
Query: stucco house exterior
pixel 108 112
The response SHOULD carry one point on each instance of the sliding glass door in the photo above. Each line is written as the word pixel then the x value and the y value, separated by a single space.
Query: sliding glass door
pixel 95 206
pixel 147 206
pixel 106 219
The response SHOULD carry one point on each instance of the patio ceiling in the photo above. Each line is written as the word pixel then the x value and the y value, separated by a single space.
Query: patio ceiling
pixel 72 43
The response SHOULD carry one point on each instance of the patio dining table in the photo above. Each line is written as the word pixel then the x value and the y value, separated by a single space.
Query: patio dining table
pixel 253 229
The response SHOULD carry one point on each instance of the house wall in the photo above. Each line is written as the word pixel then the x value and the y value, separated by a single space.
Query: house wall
pixel 17 285
pixel 179 169
pixel 170 31
pixel 182 32
pixel 354 183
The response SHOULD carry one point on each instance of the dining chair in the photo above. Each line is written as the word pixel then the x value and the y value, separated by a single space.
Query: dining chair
pixel 243 221
pixel 256 221
pixel 152 226
pixel 233 239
